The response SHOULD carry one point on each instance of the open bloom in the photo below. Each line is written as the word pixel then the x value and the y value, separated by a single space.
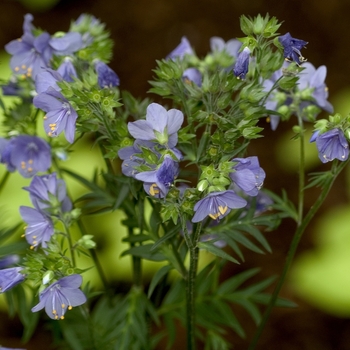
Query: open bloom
pixel 217 205
pixel 331 144
pixel 160 180
pixel 314 79
pixel 292 48
pixel 39 227
pixel 60 115
pixel 47 192
pixel 184 48
pixel 106 77
pixel 240 68
pixel 9 278
pixel 248 175
pixel 160 125
pixel 61 296
pixel 28 154
pixel 231 47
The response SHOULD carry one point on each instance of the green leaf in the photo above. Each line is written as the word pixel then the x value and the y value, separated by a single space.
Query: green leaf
pixel 144 251
pixel 211 248
pixel 234 282
pixel 157 277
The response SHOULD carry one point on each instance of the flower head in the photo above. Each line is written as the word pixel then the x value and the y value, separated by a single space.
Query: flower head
pixel 217 205
pixel 47 192
pixel 184 48
pixel 248 175
pixel 160 125
pixel 28 154
pixel 331 144
pixel 60 115
pixel 66 44
pixel 192 74
pixel 240 68
pixel 61 296
pixel 106 77
pixel 161 179
pixel 9 278
pixel 314 79
pixel 231 47
pixel 39 227
pixel 292 48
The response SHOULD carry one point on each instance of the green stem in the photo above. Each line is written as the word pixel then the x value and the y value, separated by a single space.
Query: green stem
pixel 191 284
pixel 70 243
pixel 335 171
pixel 301 169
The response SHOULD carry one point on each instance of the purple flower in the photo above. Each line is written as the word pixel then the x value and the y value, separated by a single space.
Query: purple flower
pixel 9 260
pixel 240 68
pixel 184 48
pixel 39 227
pixel 161 179
pixel 2 348
pixel 61 296
pixel 29 53
pixel 9 278
pixel 231 47
pixel 46 79
pixel 67 70
pixel 292 48
pixel 314 78
pixel 47 192
pixel 248 175
pixel 331 144
pixel 192 75
pixel 217 205
pixel 66 44
pixel 106 77
pixel 28 154
pixel 160 125
pixel 60 115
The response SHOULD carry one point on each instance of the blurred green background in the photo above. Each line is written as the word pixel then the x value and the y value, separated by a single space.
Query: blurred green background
pixel 146 30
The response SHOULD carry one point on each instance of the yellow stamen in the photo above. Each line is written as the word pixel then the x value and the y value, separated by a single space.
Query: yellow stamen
pixel 153 190
pixel 222 209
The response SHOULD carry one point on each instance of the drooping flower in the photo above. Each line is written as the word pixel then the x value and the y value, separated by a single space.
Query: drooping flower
pixel 48 192
pixel 161 179
pixel 248 175
pixel 39 227
pixel 231 47
pixel 61 296
pixel 60 115
pixel 106 77
pixel 217 205
pixel 192 75
pixel 314 79
pixel 67 70
pixel 292 48
pixel 240 68
pixel 10 277
pixel 9 260
pixel 26 154
pixel 184 48
pixel 160 125
pixel 331 145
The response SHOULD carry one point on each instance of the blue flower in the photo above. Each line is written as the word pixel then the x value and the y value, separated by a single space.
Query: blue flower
pixel 61 296
pixel 184 48
pixel 240 68
pixel 10 277
pixel 331 144
pixel 231 47
pixel 314 79
pixel 26 154
pixel 9 260
pixel 192 75
pixel 48 192
pixel 46 79
pixel 60 115
pixel 217 205
pixel 161 179
pixel 106 77
pixel 66 44
pixel 29 53
pixel 248 175
pixel 67 70
pixel 160 125
pixel 292 48
pixel 39 227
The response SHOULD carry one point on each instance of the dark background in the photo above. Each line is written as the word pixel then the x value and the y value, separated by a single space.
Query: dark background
pixel 146 30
